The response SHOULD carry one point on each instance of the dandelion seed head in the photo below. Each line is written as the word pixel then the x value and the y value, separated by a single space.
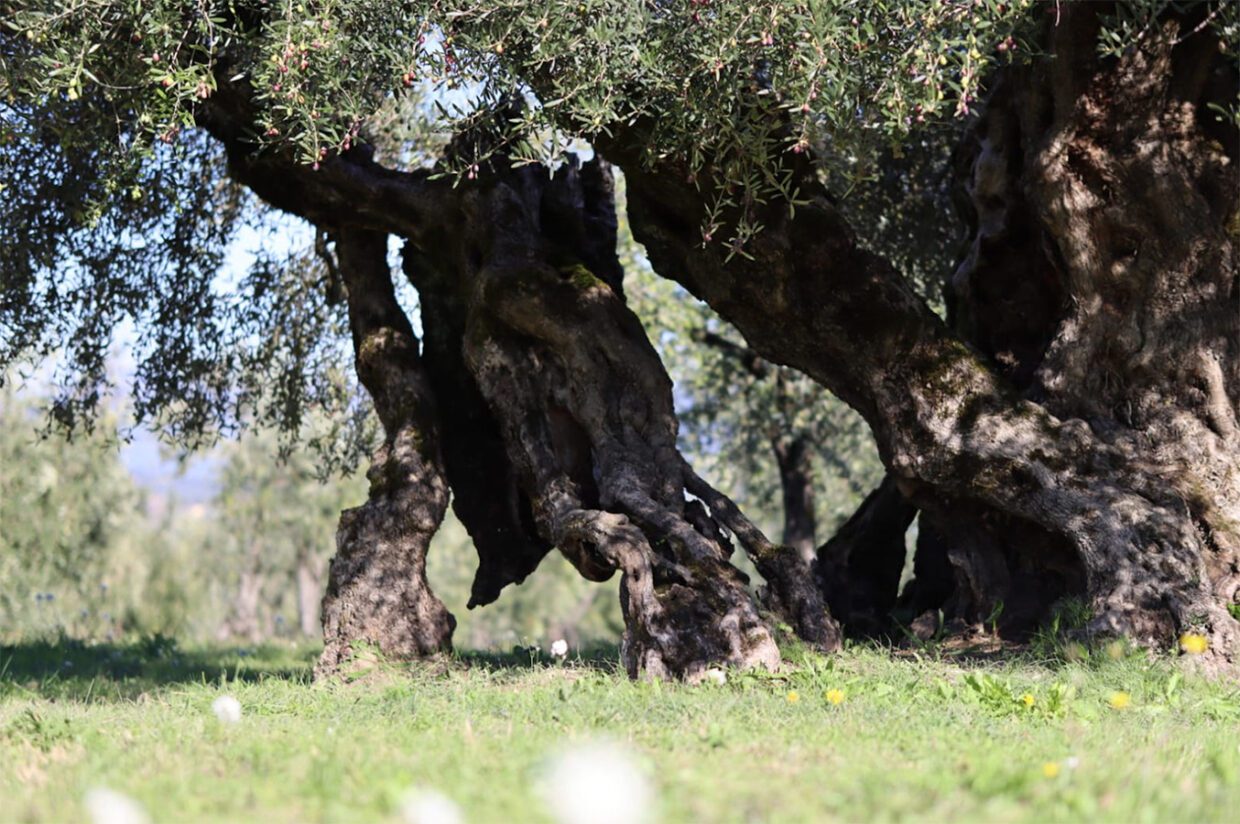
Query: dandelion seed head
pixel 227 709
pixel 559 648
pixel 716 676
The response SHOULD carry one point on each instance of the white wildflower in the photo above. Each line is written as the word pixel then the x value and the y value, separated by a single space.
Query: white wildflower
pixel 597 783
pixel 1072 762
pixel 227 709
pixel 423 806
pixel 716 676
pixel 559 648
pixel 106 806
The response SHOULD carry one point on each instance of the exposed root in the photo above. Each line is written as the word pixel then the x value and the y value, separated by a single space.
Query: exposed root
pixel 791 591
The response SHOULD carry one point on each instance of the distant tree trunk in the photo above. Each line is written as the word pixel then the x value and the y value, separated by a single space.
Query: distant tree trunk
pixel 377 591
pixel 243 619
pixel 309 594
pixel 793 457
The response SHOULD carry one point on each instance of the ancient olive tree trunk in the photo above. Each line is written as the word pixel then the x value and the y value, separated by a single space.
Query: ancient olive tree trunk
pixel 585 411
pixel 557 418
pixel 377 591
pixel 1101 281
pixel 1123 458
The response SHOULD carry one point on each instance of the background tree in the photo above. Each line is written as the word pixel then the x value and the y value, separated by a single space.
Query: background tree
pixel 71 517
pixel 275 518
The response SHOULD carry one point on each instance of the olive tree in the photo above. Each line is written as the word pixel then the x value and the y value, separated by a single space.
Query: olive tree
pixel 1069 430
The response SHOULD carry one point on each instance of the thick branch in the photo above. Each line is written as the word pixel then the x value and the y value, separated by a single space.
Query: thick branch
pixel 348 189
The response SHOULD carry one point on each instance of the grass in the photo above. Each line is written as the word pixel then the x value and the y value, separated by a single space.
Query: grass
pixel 922 736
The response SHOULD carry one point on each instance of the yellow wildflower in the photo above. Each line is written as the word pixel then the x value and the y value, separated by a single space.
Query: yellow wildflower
pixel 1050 769
pixel 1028 700
pixel 793 697
pixel 1194 644
pixel 1119 700
pixel 834 697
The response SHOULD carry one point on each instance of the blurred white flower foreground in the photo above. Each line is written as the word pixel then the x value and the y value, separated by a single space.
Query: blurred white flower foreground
pixel 227 709
pixel 422 806
pixel 597 783
pixel 106 806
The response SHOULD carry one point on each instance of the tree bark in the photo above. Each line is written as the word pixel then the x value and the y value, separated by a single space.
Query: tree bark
pixel 1101 282
pixel 1128 457
pixel 377 591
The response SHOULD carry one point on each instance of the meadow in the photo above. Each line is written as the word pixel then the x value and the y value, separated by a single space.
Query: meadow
pixel 868 735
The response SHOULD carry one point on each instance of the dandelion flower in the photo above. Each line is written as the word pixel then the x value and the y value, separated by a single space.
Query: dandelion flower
pixel 227 709
pixel 793 696
pixel 1119 700
pixel 422 806
pixel 597 783
pixel 1050 769
pixel 559 648
pixel 716 676
pixel 110 807
pixel 834 697
pixel 1028 700
pixel 1193 643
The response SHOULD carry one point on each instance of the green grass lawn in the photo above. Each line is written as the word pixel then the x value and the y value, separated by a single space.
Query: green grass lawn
pixel 916 737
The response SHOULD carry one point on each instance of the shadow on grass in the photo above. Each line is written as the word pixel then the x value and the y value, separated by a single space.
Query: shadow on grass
pixel 70 669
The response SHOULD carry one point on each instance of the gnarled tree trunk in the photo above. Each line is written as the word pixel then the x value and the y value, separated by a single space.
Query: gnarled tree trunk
pixel 1123 460
pixel 558 418
pixel 585 411
pixel 1085 440
pixel 1101 281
